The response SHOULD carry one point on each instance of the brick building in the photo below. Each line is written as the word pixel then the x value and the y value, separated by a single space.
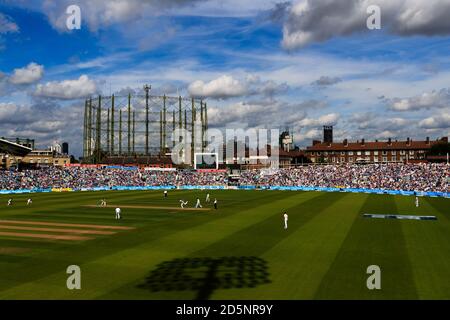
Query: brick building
pixel 370 151
pixel 38 158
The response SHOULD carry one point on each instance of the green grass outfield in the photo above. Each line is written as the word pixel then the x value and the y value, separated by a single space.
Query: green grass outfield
pixel 240 251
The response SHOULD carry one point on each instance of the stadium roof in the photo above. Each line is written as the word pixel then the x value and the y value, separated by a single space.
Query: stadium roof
pixel 13 148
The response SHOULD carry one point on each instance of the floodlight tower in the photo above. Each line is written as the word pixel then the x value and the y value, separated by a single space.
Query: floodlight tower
pixel 147 89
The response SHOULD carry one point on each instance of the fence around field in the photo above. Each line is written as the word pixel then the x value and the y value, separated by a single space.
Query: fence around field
pixel 222 187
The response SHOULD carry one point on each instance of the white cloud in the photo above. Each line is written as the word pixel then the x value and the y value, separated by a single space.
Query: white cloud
pixel 223 87
pixel 324 81
pixel 228 8
pixel 385 134
pixel 441 121
pixel 396 122
pixel 312 134
pixel 11 113
pixel 270 88
pixel 427 100
pixel 310 21
pixel 7 25
pixel 44 121
pixel 29 74
pixel 67 89
pixel 98 14
pixel 325 120
pixel 6 110
pixel 226 86
pixel 261 114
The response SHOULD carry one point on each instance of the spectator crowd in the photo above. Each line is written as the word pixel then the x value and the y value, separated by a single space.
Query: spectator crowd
pixel 407 177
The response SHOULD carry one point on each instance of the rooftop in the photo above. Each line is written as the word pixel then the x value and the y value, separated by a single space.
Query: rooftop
pixel 375 145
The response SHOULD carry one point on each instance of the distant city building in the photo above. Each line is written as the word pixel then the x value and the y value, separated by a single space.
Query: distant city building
pixel 370 152
pixel 56 147
pixel 286 141
pixel 292 158
pixel 35 158
pixel 65 148
pixel 328 134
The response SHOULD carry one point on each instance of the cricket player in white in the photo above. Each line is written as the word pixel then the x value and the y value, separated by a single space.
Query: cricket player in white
pixel 29 201
pixel 285 221
pixel 207 198
pixel 9 202
pixel 183 203
pixel 118 211
pixel 165 193
pixel 417 202
pixel 198 205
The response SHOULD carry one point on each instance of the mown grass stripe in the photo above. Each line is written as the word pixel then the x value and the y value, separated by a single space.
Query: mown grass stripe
pixel 143 247
pixel 428 248
pixel 261 236
pixel 371 242
pixel 214 232
pixel 441 206
pixel 115 266
pixel 306 254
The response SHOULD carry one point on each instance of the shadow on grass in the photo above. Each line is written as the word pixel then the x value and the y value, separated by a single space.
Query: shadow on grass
pixel 206 274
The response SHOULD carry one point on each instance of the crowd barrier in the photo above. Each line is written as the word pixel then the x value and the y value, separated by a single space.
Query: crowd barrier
pixel 354 190
pixel 24 191
pixel 244 187
pixel 202 187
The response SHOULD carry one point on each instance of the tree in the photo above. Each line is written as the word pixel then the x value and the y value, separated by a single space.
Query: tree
pixel 439 149
pixel 73 159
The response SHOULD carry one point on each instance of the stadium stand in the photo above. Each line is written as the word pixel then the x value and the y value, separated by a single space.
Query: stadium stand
pixel 9 147
pixel 406 177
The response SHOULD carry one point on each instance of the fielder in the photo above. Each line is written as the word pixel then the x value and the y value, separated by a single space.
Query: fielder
pixel 165 193
pixel 215 203
pixel 207 198
pixel 103 203
pixel 183 203
pixel 118 216
pixel 29 201
pixel 198 204
pixel 417 201
pixel 9 202
pixel 286 217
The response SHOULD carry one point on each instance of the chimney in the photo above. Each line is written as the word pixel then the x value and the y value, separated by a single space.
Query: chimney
pixel 389 142
pixel 408 142
pixel 345 142
pixel 316 142
pixel 428 140
pixel 362 142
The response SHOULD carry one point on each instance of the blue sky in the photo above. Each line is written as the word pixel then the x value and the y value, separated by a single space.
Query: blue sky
pixel 258 64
